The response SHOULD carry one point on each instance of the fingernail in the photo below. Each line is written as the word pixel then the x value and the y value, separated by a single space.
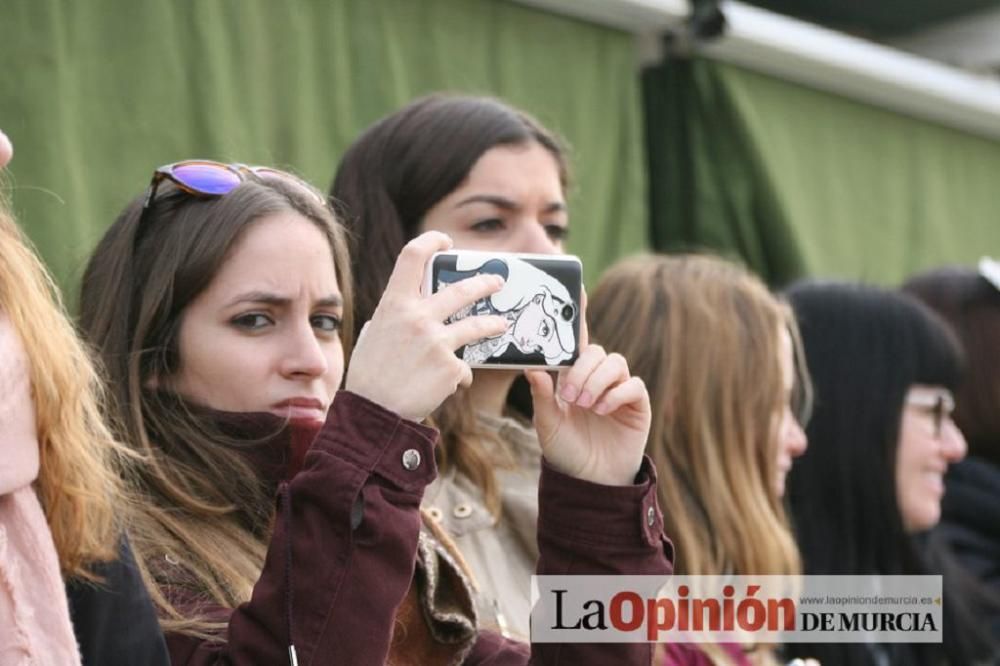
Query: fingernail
pixel 568 393
pixel 601 408
pixel 585 399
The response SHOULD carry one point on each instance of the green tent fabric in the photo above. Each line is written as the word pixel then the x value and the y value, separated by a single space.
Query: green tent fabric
pixel 800 182
pixel 97 94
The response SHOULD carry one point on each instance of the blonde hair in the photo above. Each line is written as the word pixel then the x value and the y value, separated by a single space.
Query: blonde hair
pixel 79 483
pixel 704 335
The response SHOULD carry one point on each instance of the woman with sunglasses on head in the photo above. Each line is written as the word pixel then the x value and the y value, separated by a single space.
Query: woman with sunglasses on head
pixel 222 305
pixel 720 357
pixel 881 438
pixel 62 503
pixel 492 178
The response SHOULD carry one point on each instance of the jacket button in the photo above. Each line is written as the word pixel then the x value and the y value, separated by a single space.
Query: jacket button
pixel 411 459
pixel 462 511
pixel 650 516
pixel 435 513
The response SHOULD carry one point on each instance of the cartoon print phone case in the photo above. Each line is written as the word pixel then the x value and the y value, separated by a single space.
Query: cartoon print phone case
pixel 540 300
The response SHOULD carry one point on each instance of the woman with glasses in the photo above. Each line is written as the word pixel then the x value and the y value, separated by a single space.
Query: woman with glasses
pixel 720 356
pixel 967 540
pixel 881 438
pixel 281 518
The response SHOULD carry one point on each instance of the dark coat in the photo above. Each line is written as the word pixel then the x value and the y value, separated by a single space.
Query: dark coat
pixel 114 620
pixel 970 532
pixel 353 538
pixel 970 518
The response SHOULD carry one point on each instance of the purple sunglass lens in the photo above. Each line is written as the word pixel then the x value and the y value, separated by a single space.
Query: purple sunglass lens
pixel 206 178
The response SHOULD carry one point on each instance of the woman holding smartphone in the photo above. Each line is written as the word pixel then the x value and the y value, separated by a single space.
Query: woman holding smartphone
pixel 221 302
pixel 493 179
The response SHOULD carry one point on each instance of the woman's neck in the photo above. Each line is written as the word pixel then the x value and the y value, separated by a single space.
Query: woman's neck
pixel 489 390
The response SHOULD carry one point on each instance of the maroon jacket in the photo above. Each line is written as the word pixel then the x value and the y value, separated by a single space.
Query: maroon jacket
pixel 354 513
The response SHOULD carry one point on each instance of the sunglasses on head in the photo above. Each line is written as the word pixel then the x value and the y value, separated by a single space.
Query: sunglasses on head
pixel 206 178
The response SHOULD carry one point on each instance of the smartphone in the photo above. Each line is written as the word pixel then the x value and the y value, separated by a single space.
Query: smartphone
pixel 540 300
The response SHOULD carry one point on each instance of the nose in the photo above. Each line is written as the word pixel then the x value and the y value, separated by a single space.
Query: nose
pixel 303 356
pixel 536 240
pixel 795 439
pixel 953 444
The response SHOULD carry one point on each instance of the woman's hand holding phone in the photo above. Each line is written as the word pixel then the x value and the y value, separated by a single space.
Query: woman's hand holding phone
pixel 405 358
pixel 594 422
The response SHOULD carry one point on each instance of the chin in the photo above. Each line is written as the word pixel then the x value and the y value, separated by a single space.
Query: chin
pixel 927 519
pixel 779 485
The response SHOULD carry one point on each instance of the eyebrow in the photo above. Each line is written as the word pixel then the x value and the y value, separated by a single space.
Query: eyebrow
pixel 331 301
pixel 505 203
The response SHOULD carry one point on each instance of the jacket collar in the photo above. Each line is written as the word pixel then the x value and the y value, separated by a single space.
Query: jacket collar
pixel 274 447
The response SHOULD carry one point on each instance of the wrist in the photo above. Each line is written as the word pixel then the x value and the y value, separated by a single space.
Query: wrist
pixel 601 476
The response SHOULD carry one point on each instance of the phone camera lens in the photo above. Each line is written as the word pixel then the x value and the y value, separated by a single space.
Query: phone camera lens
pixel 567 312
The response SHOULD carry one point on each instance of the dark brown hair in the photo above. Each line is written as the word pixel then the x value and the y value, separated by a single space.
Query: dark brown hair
pixel 202 501
pixel 388 179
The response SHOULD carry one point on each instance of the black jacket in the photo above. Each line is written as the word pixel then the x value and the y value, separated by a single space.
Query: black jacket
pixel 114 620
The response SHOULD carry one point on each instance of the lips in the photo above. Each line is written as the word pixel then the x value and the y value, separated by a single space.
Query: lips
pixel 301 409
pixel 935 480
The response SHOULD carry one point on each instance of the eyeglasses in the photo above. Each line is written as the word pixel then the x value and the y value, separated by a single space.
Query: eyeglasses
pixel 205 178
pixel 939 404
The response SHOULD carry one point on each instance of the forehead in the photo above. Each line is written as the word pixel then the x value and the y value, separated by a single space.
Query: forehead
pixel 283 252
pixel 516 169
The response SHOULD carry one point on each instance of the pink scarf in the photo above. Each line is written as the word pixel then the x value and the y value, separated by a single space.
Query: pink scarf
pixel 35 627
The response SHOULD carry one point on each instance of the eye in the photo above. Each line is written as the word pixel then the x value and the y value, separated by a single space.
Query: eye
pixel 544 330
pixel 488 226
pixel 326 323
pixel 557 232
pixel 252 321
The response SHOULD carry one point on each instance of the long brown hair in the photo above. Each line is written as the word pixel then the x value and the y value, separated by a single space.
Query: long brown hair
pixel 80 483
pixel 202 501
pixel 704 336
pixel 388 179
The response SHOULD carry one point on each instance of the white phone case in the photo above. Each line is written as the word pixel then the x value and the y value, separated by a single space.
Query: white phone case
pixel 540 299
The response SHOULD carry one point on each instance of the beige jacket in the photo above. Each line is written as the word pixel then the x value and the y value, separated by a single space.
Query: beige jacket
pixel 501 555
